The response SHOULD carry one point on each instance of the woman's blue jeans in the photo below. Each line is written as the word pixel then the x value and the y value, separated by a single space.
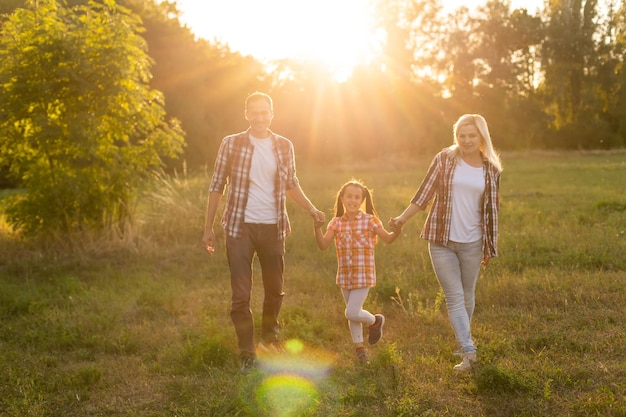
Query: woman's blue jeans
pixel 457 266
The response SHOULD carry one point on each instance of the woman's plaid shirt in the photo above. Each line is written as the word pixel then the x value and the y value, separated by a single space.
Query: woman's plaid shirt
pixel 438 185
pixel 232 167
pixel 355 241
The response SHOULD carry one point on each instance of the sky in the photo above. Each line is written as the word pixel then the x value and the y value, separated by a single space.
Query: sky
pixel 333 32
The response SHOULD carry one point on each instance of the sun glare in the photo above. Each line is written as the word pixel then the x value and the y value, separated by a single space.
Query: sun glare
pixel 336 34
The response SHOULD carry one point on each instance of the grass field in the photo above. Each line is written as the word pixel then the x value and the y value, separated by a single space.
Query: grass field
pixel 139 325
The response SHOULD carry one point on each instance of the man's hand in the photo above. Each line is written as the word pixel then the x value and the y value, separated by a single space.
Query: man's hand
pixel 208 239
pixel 319 217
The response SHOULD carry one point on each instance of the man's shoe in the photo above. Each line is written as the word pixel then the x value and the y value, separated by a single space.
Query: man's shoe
pixel 376 329
pixel 273 346
pixel 468 360
pixel 248 364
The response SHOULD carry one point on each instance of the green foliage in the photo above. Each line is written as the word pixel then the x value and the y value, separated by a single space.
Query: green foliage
pixel 492 379
pixel 80 128
pixel 203 354
pixel 204 83
pixel 145 331
pixel 551 78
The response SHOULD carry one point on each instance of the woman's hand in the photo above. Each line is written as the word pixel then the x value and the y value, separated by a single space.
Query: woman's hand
pixel 396 223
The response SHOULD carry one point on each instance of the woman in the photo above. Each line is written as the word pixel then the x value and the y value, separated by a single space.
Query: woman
pixel 463 183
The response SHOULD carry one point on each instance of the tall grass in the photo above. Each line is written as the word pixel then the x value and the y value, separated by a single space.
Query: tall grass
pixel 96 326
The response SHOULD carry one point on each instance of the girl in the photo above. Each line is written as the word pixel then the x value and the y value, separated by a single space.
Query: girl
pixel 355 233
pixel 463 184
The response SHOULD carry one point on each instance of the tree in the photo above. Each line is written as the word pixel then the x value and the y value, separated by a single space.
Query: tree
pixel 570 62
pixel 204 83
pixel 80 128
pixel 506 54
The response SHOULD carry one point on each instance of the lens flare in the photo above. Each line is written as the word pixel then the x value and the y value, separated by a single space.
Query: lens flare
pixel 286 395
pixel 294 346
pixel 287 382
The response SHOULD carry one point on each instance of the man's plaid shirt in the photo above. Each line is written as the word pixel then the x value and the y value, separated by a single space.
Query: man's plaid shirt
pixel 438 185
pixel 355 241
pixel 232 167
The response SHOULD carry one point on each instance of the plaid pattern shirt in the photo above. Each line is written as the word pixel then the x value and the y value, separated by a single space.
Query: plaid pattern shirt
pixel 232 167
pixel 438 185
pixel 355 241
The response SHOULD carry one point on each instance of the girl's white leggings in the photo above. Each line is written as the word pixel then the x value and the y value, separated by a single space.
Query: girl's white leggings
pixel 354 312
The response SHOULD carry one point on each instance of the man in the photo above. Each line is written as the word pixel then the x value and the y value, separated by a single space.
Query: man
pixel 260 168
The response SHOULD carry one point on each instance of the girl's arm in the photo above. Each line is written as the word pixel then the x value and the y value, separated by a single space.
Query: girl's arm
pixel 386 236
pixel 323 239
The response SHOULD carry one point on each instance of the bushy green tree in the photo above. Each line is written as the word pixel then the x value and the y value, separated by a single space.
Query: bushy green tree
pixel 80 128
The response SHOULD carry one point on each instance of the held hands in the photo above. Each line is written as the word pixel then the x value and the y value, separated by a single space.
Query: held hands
pixel 319 218
pixel 395 224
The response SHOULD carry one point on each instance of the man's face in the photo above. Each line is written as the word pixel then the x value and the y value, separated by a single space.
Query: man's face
pixel 259 114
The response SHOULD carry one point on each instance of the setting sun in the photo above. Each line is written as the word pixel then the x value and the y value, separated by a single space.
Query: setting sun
pixel 335 34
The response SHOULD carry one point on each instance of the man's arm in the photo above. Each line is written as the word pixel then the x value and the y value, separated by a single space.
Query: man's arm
pixel 297 195
pixel 209 235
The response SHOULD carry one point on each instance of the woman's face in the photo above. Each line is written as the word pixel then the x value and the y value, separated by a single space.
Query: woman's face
pixel 469 139
pixel 352 198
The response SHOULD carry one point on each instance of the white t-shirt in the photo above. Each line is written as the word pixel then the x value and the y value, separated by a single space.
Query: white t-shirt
pixel 468 187
pixel 261 205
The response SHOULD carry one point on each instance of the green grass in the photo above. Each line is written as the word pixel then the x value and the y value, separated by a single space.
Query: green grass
pixel 139 325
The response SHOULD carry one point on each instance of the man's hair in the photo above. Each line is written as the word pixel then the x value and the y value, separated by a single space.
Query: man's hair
pixel 256 96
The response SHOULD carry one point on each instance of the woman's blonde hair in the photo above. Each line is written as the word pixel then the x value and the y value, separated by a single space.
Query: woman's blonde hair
pixel 486 147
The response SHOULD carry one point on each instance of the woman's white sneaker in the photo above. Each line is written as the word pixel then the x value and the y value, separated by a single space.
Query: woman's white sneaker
pixel 466 363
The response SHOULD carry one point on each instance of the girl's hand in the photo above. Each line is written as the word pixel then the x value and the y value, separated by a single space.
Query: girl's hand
pixel 395 224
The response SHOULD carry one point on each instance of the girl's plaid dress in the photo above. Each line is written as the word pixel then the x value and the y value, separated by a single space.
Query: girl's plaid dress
pixel 355 241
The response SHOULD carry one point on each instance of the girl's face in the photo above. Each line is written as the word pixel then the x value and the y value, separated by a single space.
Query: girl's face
pixel 352 198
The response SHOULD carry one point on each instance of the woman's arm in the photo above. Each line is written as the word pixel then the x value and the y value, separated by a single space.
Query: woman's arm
pixel 399 221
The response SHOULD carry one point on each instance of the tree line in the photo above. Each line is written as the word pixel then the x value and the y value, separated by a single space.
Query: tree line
pixel 550 79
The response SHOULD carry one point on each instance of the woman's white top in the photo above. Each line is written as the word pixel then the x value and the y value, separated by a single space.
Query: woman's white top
pixel 468 187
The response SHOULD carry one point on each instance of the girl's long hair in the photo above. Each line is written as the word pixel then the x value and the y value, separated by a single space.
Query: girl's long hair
pixel 367 194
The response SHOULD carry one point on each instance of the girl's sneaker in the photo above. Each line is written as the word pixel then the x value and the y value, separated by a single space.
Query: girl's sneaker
pixel 376 329
pixel 363 355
